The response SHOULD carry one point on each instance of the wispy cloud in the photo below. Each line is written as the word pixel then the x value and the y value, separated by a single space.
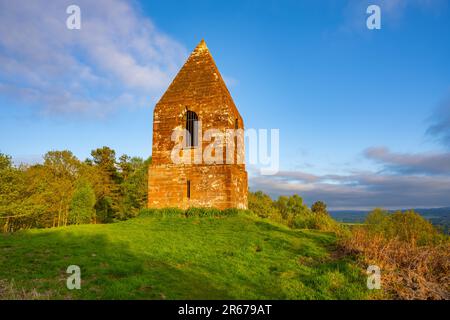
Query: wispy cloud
pixel 118 58
pixel 359 190
pixel 440 123
pixel 403 163
pixel 405 180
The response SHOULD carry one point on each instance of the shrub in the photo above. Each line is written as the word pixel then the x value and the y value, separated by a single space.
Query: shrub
pixel 202 212
pixel 290 208
pixel 319 207
pixel 405 226
pixel 322 221
pixel 301 222
pixel 408 271
pixel 319 221
pixel 233 212
pixel 166 212
pixel 261 204
pixel 191 212
pixel 413 256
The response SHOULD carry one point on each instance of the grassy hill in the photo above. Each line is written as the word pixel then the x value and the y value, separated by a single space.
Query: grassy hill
pixel 235 257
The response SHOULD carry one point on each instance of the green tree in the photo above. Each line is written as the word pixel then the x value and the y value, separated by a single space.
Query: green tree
pixel 282 205
pixel 106 183
pixel 82 204
pixel 296 206
pixel 8 185
pixel 134 186
pixel 291 208
pixel 125 165
pixel 105 159
pixel 319 207
pixel 11 192
pixel 261 204
pixel 59 174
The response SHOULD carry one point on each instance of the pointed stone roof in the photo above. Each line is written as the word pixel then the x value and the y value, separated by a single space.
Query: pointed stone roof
pixel 198 81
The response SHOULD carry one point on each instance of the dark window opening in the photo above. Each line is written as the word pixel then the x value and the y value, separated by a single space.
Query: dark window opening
pixel 188 189
pixel 192 129
pixel 236 124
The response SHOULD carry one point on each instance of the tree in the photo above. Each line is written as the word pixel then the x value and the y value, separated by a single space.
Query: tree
pixel 8 184
pixel 107 183
pixel 282 205
pixel 134 186
pixel 261 204
pixel 296 206
pixel 11 192
pixel 82 204
pixel 319 207
pixel 126 166
pixel 292 207
pixel 64 190
pixel 5 161
pixel 60 172
pixel 105 159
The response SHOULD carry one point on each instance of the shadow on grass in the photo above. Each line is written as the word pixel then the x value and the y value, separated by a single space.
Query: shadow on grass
pixel 308 238
pixel 33 266
pixel 322 275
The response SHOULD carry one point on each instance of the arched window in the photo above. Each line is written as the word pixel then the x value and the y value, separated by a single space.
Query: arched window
pixel 192 128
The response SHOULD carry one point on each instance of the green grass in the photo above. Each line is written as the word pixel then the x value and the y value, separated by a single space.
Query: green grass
pixel 174 257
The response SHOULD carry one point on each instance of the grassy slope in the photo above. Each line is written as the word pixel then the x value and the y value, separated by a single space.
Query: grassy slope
pixel 240 257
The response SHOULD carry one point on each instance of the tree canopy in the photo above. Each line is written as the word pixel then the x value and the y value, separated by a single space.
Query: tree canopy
pixel 63 190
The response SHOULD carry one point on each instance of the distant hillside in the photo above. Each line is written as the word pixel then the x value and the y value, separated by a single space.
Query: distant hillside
pixel 233 257
pixel 437 216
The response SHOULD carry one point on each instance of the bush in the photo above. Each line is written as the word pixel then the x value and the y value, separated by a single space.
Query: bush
pixel 322 221
pixel 292 212
pixel 191 212
pixel 301 222
pixel 234 212
pixel 203 212
pixel 406 226
pixel 166 212
pixel 262 205
pixel 319 221
pixel 319 207
pixel 413 256
pixel 408 271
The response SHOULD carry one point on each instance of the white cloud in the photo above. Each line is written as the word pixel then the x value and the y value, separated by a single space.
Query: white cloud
pixel 117 58
pixel 417 163
pixel 358 190
pixel 406 181
pixel 440 123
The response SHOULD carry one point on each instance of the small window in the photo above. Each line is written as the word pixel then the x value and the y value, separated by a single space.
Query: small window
pixel 236 124
pixel 192 129
pixel 188 189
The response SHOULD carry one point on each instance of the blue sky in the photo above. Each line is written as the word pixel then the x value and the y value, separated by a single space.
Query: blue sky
pixel 364 115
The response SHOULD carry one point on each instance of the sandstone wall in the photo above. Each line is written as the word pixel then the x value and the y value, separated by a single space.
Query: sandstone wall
pixel 198 87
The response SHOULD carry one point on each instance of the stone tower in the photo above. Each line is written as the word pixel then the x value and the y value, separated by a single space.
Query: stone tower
pixel 197 100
